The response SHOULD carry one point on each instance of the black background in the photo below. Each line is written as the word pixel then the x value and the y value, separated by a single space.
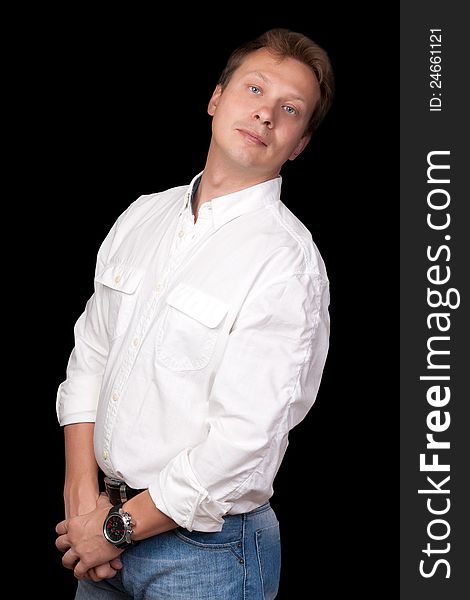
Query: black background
pixel 115 106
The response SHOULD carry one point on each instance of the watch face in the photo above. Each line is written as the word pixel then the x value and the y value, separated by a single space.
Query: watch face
pixel 115 530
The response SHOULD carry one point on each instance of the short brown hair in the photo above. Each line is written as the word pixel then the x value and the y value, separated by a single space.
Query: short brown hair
pixel 285 43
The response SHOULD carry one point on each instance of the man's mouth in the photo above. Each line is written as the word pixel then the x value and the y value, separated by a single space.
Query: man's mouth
pixel 252 137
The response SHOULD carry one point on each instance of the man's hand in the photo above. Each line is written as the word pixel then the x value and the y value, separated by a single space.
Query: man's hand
pixel 85 548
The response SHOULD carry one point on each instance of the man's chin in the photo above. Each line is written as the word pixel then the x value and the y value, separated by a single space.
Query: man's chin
pixel 248 159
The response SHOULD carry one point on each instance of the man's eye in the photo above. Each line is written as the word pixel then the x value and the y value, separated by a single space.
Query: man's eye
pixel 254 89
pixel 290 110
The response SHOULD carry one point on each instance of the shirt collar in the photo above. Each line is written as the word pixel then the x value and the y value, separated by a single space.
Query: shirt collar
pixel 230 206
pixel 189 194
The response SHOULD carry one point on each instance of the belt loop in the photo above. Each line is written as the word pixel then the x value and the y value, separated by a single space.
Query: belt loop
pixel 122 492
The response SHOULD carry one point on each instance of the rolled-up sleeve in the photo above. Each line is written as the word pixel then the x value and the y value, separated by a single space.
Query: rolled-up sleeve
pixel 265 384
pixel 77 397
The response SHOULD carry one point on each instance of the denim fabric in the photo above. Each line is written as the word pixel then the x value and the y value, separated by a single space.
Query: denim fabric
pixel 241 562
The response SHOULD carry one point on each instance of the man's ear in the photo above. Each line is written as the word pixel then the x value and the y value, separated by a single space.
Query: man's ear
pixel 214 100
pixel 304 140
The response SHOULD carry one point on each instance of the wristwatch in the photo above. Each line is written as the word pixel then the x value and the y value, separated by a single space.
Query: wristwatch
pixel 117 527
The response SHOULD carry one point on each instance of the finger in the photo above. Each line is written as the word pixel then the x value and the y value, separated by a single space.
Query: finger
pixel 116 563
pixel 62 543
pixel 104 571
pixel 70 559
pixel 86 576
pixel 61 528
pixel 81 571
pixel 93 575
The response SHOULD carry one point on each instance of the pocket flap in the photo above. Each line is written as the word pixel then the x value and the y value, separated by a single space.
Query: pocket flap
pixel 121 278
pixel 206 309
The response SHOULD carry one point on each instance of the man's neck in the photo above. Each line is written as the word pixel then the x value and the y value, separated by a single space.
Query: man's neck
pixel 219 180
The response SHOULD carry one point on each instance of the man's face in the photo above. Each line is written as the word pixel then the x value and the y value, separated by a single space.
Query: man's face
pixel 260 118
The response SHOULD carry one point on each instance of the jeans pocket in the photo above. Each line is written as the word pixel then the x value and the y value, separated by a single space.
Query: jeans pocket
pixel 268 548
pixel 229 537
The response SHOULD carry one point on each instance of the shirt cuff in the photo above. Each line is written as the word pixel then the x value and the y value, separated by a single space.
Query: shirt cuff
pixel 77 400
pixel 178 493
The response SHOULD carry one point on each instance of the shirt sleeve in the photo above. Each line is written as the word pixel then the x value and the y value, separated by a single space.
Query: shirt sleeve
pixel 77 397
pixel 267 381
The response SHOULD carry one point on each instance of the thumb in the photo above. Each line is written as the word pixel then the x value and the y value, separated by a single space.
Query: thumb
pixel 116 563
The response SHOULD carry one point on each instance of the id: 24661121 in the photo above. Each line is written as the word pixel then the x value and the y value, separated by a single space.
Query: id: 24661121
pixel 435 69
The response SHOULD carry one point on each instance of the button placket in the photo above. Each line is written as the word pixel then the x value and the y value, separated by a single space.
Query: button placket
pixel 181 245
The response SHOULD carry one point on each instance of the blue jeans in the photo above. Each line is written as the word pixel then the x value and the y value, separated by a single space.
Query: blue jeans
pixel 241 562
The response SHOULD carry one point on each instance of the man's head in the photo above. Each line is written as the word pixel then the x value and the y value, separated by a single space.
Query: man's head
pixel 271 96
pixel 283 43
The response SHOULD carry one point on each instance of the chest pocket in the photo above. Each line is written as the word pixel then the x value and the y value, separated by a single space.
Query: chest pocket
pixel 120 289
pixel 191 323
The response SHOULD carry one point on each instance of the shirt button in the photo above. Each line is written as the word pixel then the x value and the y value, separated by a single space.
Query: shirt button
pixel 135 342
pixel 117 279
pixel 115 396
pixel 158 287
pixel 105 455
pixel 181 233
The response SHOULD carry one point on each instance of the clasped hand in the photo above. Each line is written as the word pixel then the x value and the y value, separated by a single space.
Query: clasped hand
pixel 86 551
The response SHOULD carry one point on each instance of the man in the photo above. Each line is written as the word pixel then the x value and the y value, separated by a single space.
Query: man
pixel 202 346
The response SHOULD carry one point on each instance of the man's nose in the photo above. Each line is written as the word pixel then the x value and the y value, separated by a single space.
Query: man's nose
pixel 265 115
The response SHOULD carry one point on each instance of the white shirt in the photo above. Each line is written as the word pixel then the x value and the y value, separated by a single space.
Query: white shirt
pixel 202 346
